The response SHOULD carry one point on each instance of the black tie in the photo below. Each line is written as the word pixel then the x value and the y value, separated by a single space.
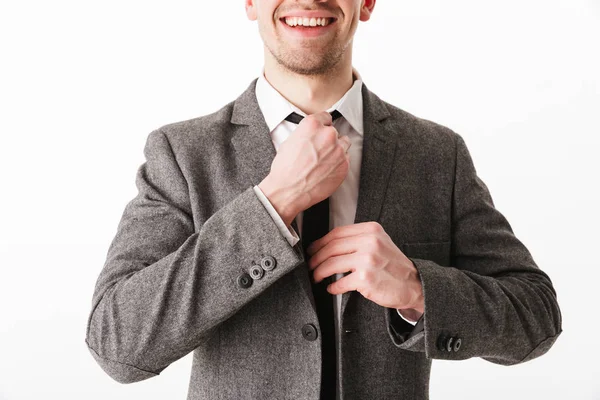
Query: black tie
pixel 315 225
pixel 296 118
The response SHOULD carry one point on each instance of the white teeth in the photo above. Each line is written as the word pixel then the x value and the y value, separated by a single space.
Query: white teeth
pixel 294 21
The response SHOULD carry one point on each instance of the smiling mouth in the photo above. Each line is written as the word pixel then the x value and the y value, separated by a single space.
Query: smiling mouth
pixel 307 22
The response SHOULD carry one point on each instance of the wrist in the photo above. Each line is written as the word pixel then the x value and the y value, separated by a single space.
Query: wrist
pixel 281 200
pixel 418 301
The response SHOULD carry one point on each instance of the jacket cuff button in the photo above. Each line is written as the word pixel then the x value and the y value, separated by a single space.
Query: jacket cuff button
pixel 268 263
pixel 449 343
pixel 457 344
pixel 244 281
pixel 256 272
pixel 441 342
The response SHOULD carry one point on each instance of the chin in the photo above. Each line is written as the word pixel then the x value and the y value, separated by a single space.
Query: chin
pixel 308 66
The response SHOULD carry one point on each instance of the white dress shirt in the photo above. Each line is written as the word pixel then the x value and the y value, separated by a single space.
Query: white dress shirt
pixel 342 203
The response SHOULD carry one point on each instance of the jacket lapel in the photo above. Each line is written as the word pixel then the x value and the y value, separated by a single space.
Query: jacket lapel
pixel 379 146
pixel 255 153
pixel 251 138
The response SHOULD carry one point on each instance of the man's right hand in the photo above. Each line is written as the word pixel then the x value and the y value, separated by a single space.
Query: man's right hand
pixel 308 167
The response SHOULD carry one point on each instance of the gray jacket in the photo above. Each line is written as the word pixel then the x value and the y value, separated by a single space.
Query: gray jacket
pixel 177 276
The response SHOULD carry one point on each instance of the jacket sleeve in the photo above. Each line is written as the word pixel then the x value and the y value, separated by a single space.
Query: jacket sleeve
pixel 165 287
pixel 287 231
pixel 493 299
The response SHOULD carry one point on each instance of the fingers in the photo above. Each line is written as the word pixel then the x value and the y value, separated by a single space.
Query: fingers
pixel 345 142
pixel 323 117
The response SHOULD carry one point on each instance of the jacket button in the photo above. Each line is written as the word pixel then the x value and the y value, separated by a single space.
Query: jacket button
pixel 457 344
pixel 268 263
pixel 441 342
pixel 309 332
pixel 244 281
pixel 449 343
pixel 256 272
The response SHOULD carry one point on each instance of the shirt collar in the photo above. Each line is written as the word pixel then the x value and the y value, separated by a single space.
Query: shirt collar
pixel 275 107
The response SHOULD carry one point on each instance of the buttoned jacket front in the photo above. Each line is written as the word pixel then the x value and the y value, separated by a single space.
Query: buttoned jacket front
pixel 181 273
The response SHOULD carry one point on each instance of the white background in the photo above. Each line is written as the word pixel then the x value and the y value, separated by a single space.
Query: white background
pixel 83 83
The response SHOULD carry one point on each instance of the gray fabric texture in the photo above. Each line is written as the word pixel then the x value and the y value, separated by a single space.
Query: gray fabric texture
pixel 169 283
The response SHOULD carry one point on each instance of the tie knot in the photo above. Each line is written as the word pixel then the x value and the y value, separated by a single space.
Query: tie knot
pixel 296 118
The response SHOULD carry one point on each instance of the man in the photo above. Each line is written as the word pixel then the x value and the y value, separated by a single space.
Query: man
pixel 306 189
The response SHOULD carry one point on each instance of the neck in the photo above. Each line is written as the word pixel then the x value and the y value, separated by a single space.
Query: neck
pixel 311 93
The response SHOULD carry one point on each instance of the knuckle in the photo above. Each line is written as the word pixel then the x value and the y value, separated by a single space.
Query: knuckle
pixel 330 133
pixel 376 227
pixel 373 259
pixel 312 121
pixel 372 241
pixel 375 243
pixel 369 260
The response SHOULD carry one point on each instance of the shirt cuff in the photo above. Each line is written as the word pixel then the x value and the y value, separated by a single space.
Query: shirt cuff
pixel 287 231
pixel 406 319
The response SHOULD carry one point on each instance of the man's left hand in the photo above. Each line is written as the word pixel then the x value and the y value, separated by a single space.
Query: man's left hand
pixel 378 268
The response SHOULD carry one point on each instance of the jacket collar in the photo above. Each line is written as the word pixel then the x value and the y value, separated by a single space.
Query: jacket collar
pixel 275 108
